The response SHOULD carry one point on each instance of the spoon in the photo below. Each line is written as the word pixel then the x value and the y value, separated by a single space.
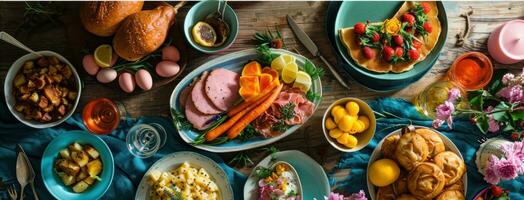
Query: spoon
pixel 11 40
pixel 31 173
pixel 22 173
pixel 216 20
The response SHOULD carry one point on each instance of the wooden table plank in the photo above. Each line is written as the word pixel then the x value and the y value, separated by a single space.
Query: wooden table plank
pixel 258 16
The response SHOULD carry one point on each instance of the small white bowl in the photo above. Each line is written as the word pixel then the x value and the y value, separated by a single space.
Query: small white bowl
pixel 10 98
pixel 363 138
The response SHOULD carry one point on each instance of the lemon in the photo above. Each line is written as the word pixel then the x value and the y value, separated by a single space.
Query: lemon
pixel 365 120
pixel 383 172
pixel 343 139
pixel 289 72
pixel 278 63
pixel 103 55
pixel 352 142
pixel 352 108
pixel 204 34
pixel 346 123
pixel 303 81
pixel 335 133
pixel 330 124
pixel 288 58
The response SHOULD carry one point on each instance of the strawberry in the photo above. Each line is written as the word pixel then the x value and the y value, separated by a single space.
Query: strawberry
pixel 515 136
pixel 397 39
pixel 375 37
pixel 409 29
pixel 496 191
pixel 359 28
pixel 277 43
pixel 387 53
pixel 368 53
pixel 425 7
pixel 399 52
pixel 417 44
pixel 427 27
pixel 409 18
pixel 413 54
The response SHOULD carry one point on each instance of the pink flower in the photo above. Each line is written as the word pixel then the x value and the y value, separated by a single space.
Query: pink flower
pixel 444 112
pixel 513 94
pixel 437 123
pixel 493 125
pixel 334 196
pixel 361 195
pixel 490 176
pixel 507 78
pixel 506 169
pixel 453 94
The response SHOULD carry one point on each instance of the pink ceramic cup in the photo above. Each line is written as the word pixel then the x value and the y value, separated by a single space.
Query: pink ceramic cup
pixel 506 43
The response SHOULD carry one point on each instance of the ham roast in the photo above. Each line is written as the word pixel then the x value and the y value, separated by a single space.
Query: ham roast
pixel 143 32
pixel 102 18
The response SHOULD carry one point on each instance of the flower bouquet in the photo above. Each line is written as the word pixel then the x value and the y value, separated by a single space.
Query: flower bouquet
pixel 497 109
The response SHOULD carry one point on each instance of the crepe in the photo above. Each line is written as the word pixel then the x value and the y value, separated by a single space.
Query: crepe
pixel 348 38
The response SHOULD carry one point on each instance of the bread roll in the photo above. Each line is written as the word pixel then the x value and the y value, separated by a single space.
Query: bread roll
pixel 102 18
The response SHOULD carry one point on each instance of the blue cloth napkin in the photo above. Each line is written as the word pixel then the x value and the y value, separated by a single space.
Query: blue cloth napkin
pixel 128 169
pixel 464 135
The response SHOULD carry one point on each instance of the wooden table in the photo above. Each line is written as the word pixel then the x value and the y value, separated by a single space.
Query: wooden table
pixel 257 16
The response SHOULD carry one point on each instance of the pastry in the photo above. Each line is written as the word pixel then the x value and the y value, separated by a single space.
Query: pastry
pixel 452 166
pixel 411 150
pixel 451 195
pixel 401 185
pixel 389 145
pixel 406 197
pixel 459 185
pixel 426 181
pixel 433 140
pixel 102 18
pixel 386 193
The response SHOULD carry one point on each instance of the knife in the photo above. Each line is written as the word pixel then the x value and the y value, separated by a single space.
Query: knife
pixel 24 170
pixel 313 49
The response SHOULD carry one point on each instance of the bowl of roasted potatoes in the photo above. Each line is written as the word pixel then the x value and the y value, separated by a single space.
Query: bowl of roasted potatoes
pixel 42 90
pixel 77 165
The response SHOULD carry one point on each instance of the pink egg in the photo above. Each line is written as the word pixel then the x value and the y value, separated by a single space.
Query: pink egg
pixel 114 58
pixel 106 75
pixel 126 82
pixel 90 65
pixel 143 79
pixel 170 53
pixel 167 68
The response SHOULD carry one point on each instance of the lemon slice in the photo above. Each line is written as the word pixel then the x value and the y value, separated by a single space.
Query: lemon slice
pixel 278 63
pixel 103 55
pixel 288 58
pixel 204 34
pixel 289 72
pixel 302 81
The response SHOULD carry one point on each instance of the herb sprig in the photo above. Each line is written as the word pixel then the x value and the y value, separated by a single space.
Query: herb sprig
pixel 248 133
pixel 288 111
pixel 180 120
pixel 314 72
pixel 265 55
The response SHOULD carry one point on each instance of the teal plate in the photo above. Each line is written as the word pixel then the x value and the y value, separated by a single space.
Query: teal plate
pixel 234 62
pixel 313 178
pixel 54 184
pixel 351 12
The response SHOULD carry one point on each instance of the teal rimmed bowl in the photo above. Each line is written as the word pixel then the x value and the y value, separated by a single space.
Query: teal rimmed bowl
pixel 198 12
pixel 54 184
pixel 351 12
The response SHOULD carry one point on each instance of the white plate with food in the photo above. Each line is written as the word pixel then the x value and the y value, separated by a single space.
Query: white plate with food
pixel 185 175
pixel 42 92
pixel 305 177
pixel 418 151
pixel 233 103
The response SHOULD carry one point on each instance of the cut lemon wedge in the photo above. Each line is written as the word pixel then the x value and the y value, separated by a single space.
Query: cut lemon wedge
pixel 278 63
pixel 289 73
pixel 103 55
pixel 288 58
pixel 302 81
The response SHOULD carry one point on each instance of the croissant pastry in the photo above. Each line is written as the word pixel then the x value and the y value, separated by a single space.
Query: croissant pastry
pixel 451 195
pixel 389 145
pixel 452 166
pixel 426 181
pixel 386 193
pixel 411 150
pixel 459 185
pixel 433 140
pixel 401 184
pixel 406 197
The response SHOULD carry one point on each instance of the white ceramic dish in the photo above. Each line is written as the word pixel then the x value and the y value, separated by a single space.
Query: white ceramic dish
pixel 313 180
pixel 254 191
pixel 10 99
pixel 172 161
pixel 450 146
pixel 363 138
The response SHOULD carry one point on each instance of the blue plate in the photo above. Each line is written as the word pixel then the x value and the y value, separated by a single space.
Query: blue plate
pixel 234 62
pixel 54 184
pixel 312 176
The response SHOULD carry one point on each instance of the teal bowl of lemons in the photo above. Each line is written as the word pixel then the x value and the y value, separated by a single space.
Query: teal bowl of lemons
pixel 77 165
pixel 206 30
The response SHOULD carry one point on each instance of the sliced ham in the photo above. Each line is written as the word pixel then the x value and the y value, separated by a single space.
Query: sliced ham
pixel 222 88
pixel 200 99
pixel 199 120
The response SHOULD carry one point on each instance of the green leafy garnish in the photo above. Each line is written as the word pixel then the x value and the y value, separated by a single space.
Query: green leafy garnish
pixel 248 133
pixel 366 39
pixel 281 126
pixel 241 160
pixel 268 38
pixel 265 55
pixel 38 14
pixel 173 194
pixel 179 119
pixel 312 96
pixel 288 111
pixel 420 19
pixel 314 72
pixel 262 172
pixel 201 139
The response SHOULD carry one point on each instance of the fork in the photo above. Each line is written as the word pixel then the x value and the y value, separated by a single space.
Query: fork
pixel 12 192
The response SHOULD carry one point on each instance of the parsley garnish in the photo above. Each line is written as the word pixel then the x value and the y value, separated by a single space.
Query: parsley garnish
pixel 265 55
pixel 312 96
pixel 241 159
pixel 179 119
pixel 248 133
pixel 281 126
pixel 288 111
pixel 262 172
pixel 314 72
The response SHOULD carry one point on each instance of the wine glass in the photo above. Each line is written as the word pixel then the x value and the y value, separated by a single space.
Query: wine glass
pixel 144 140
pixel 102 115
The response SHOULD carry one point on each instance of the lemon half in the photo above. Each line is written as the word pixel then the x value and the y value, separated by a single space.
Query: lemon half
pixel 103 55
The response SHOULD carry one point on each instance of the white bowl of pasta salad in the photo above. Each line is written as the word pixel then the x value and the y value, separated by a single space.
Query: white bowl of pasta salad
pixel 185 175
